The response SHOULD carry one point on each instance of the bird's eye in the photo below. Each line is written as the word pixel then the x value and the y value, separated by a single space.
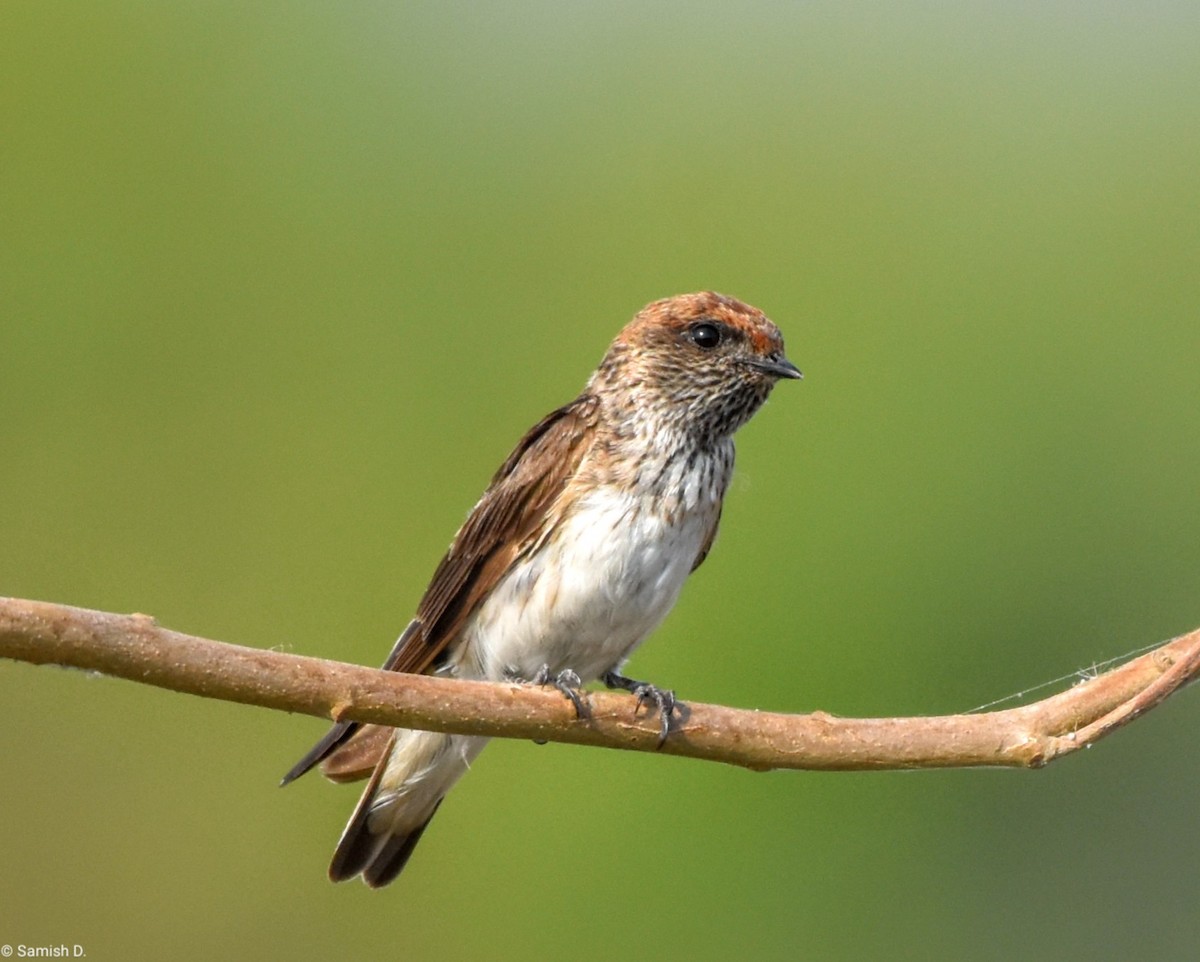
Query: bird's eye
pixel 705 335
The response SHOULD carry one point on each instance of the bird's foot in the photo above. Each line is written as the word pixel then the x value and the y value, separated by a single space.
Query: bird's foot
pixel 662 698
pixel 567 682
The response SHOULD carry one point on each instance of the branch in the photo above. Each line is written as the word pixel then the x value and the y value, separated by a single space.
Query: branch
pixel 136 648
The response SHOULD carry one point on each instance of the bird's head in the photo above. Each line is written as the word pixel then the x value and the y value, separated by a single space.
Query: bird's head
pixel 704 361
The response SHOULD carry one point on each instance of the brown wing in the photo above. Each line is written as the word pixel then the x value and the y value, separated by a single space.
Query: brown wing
pixel 509 518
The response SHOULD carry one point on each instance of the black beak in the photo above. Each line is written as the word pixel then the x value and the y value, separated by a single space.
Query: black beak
pixel 777 366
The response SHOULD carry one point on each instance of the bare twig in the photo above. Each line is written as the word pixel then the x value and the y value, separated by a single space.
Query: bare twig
pixel 136 648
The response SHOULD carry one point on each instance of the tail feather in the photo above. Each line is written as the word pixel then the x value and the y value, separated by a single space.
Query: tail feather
pixel 416 771
pixel 377 856
pixel 390 860
pixel 358 846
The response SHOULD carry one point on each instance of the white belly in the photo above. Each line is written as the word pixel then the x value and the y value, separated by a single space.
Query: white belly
pixel 588 596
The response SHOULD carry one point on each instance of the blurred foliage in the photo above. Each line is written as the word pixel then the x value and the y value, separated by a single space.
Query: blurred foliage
pixel 281 284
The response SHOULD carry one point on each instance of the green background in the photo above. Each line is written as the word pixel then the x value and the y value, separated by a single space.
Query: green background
pixel 282 283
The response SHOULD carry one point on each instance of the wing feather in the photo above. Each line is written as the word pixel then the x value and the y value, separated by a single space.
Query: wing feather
pixel 509 518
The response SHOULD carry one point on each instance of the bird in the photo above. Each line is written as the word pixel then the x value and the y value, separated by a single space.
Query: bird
pixel 576 551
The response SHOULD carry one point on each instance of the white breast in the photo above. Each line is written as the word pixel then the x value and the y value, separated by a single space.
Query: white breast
pixel 602 581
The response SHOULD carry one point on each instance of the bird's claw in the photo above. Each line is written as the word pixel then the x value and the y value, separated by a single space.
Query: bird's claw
pixel 567 682
pixel 662 699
